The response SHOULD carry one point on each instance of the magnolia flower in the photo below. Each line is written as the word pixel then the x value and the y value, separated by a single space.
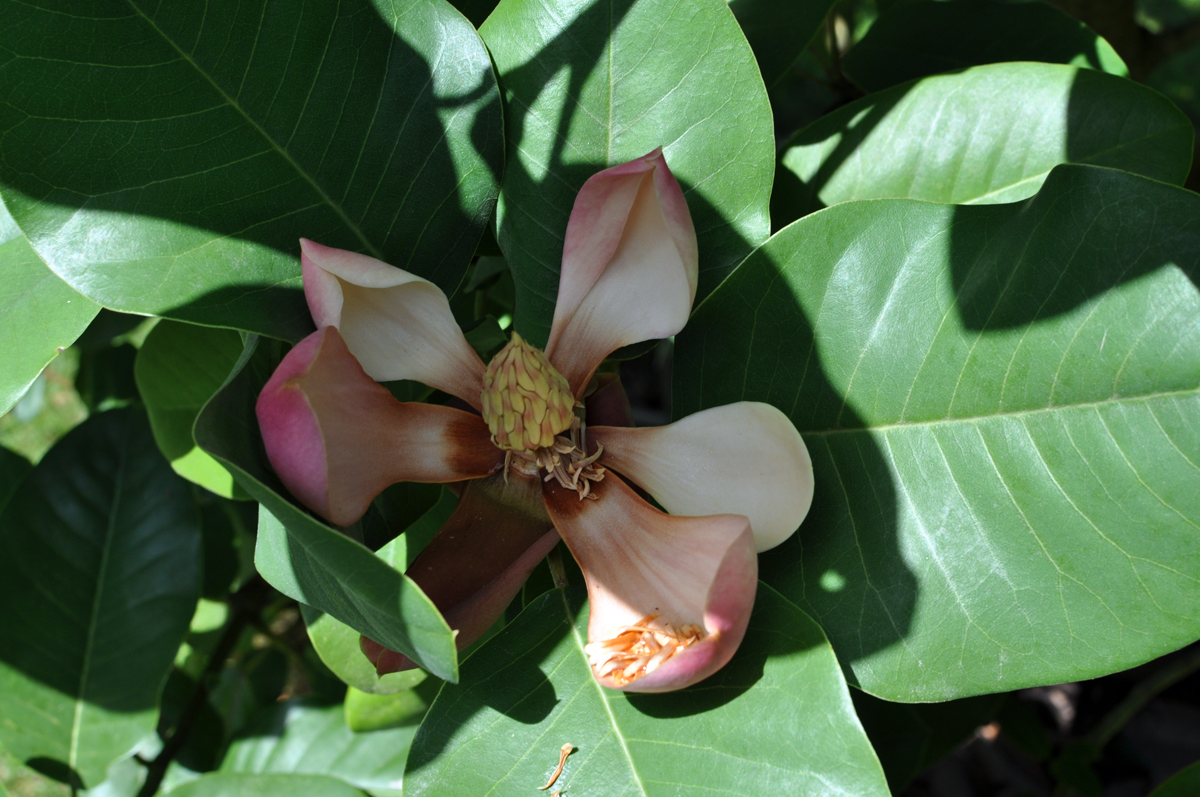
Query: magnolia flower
pixel 670 595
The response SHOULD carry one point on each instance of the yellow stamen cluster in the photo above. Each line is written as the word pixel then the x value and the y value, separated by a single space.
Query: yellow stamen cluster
pixel 639 649
pixel 526 402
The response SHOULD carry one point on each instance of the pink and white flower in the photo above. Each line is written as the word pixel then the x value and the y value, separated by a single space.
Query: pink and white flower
pixel 670 595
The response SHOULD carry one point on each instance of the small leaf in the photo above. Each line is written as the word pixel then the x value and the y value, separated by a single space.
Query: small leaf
pixel 98 580
pixel 987 135
pixel 165 158
pixel 178 369
pixel 302 736
pixel 777 715
pixel 40 315
pixel 922 38
pixel 1002 404
pixel 368 712
pixel 301 556
pixel 590 85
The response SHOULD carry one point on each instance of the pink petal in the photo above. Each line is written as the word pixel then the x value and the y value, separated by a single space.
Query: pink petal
pixel 638 561
pixel 398 325
pixel 745 458
pixel 629 267
pixel 336 438
pixel 479 560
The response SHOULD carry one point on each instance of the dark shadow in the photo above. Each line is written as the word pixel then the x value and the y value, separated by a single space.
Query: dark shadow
pixel 274 125
pixel 58 770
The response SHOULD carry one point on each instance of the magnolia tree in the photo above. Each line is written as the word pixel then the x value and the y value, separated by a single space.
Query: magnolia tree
pixel 359 504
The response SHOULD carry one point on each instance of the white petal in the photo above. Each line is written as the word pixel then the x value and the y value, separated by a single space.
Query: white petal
pixel 398 325
pixel 744 459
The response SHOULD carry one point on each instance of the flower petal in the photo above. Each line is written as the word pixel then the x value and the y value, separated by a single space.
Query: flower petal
pixel 398 325
pixel 478 561
pixel 745 458
pixel 629 267
pixel 639 562
pixel 337 438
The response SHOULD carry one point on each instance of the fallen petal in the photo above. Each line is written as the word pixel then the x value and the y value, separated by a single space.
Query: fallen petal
pixel 629 267
pixel 745 458
pixel 478 561
pixel 398 325
pixel 336 438
pixel 650 576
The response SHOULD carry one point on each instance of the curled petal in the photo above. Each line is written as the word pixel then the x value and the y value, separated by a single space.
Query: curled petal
pixel 477 562
pixel 398 325
pixel 336 438
pixel 670 596
pixel 745 458
pixel 629 267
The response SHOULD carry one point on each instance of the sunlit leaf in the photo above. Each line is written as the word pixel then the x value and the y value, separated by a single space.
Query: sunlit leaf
pixel 777 717
pixel 165 157
pixel 1002 404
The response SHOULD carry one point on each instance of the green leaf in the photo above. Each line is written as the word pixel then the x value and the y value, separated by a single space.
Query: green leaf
pixel 1184 783
pixel 178 369
pixel 987 135
pixel 242 785
pixel 301 556
pixel 304 737
pixel 589 85
pixel 922 38
pixel 165 157
pixel 13 470
pixel 338 644
pixel 777 716
pixel 98 581
pixel 779 30
pixel 39 314
pixel 370 712
pixel 1002 404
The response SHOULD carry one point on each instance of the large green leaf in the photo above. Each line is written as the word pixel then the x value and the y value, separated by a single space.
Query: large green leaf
pixel 590 84
pixel 777 718
pixel 304 558
pixel 178 369
pixel 986 135
pixel 40 315
pixel 165 157
pixel 99 577
pixel 225 784
pixel 1002 404
pixel 305 737
pixel 779 30
pixel 917 39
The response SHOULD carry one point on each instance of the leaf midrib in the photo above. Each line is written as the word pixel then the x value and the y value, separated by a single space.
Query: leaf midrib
pixel 1186 393
pixel 282 152
pixel 85 669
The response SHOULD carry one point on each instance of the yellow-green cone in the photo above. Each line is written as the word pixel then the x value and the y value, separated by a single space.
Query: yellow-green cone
pixel 526 402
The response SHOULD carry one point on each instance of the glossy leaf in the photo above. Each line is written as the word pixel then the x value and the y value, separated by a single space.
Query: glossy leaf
pixel 987 135
pixel 98 580
pixel 165 158
pixel 778 716
pixel 367 712
pixel 39 313
pixel 247 785
pixel 589 85
pixel 1002 404
pixel 301 556
pixel 178 369
pixel 338 644
pixel 304 737
pixel 918 39
pixel 779 30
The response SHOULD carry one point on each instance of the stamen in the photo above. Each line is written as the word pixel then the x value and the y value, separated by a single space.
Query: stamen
pixel 637 650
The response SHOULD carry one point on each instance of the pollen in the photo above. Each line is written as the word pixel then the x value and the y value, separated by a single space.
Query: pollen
pixel 639 649
pixel 526 402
